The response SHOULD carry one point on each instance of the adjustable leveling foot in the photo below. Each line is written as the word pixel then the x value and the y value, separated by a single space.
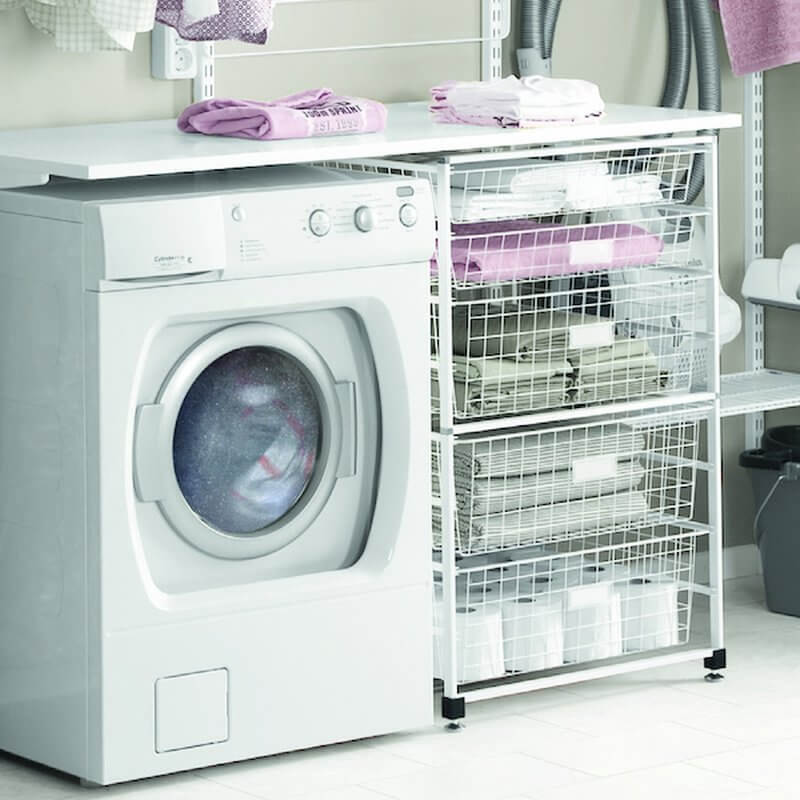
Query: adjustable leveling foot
pixel 717 660
pixel 453 709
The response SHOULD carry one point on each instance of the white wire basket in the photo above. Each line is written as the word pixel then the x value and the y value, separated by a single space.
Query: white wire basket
pixel 545 345
pixel 549 182
pixel 553 484
pixel 606 596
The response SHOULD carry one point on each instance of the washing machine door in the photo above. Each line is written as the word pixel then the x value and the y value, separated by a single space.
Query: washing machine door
pixel 245 442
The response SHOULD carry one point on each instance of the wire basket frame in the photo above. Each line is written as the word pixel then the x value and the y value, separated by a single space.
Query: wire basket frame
pixel 550 181
pixel 580 341
pixel 555 484
pixel 603 597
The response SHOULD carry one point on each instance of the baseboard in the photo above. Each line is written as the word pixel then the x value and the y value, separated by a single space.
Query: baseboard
pixel 737 562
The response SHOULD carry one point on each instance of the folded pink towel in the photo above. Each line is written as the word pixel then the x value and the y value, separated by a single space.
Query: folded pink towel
pixel 518 249
pixel 316 112
pixel 761 34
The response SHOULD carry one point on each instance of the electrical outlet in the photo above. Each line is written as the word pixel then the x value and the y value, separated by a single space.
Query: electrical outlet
pixel 171 58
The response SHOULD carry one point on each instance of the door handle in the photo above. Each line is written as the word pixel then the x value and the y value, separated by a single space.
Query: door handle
pixel 346 392
pixel 146 451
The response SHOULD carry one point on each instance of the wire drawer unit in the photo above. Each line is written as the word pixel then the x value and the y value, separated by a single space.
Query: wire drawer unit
pixel 575 414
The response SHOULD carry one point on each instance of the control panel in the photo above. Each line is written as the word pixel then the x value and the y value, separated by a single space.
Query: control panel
pixel 268 222
pixel 360 222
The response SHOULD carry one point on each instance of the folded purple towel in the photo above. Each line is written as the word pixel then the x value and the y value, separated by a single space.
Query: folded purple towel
pixel 316 112
pixel 761 35
pixel 245 20
pixel 518 249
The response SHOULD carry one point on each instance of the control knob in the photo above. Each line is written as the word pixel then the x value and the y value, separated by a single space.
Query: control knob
pixel 408 215
pixel 319 222
pixel 364 219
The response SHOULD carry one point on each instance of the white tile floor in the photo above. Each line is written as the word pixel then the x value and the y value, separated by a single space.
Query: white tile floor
pixel 662 735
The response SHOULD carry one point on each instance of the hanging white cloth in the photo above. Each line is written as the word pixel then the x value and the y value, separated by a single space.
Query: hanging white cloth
pixel 81 26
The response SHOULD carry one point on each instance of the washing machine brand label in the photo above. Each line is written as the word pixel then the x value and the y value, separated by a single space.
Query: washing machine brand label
pixel 170 262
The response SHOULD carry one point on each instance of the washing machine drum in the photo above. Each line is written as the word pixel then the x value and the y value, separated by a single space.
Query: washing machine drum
pixel 247 439
pixel 245 444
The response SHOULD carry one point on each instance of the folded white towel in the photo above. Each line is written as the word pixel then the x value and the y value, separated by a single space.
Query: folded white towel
pixel 522 175
pixel 525 188
pixel 627 190
pixel 481 206
pixel 530 99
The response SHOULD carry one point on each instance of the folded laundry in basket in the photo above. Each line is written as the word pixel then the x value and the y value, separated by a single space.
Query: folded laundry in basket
pixel 525 176
pixel 513 331
pixel 316 112
pixel 507 372
pixel 501 494
pixel 540 187
pixel 518 249
pixel 475 205
pixel 622 190
pixel 623 351
pixel 544 452
pixel 475 399
pixel 625 369
pixel 546 522
pixel 617 387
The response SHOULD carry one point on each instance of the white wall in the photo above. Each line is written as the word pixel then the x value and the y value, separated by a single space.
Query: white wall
pixel 42 86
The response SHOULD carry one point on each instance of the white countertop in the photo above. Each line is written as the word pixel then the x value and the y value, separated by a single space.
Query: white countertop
pixel 125 149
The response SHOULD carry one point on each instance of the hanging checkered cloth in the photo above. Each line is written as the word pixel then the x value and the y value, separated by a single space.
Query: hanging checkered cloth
pixel 245 20
pixel 83 25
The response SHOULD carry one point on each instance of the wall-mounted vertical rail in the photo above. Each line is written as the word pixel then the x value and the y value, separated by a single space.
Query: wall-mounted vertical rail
pixel 203 84
pixel 754 234
pixel 493 23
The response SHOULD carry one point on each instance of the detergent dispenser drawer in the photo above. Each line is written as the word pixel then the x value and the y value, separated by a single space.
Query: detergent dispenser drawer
pixel 154 239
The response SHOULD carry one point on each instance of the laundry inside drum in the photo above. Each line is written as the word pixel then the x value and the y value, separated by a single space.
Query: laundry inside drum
pixel 247 439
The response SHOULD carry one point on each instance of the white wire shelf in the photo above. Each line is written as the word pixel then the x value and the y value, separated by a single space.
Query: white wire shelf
pixel 759 390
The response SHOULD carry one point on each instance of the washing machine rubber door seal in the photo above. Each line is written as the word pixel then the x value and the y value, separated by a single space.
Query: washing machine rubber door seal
pixel 155 477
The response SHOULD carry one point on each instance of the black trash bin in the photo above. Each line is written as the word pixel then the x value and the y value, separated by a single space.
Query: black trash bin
pixel 777 523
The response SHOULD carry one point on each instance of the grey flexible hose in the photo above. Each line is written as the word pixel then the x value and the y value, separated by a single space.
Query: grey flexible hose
pixel 531 24
pixel 551 11
pixel 680 55
pixel 709 85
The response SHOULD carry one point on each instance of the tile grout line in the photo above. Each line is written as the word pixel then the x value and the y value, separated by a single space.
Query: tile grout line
pixel 728 775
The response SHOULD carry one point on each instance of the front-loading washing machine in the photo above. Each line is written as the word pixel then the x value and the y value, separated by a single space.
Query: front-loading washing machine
pixel 214 467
